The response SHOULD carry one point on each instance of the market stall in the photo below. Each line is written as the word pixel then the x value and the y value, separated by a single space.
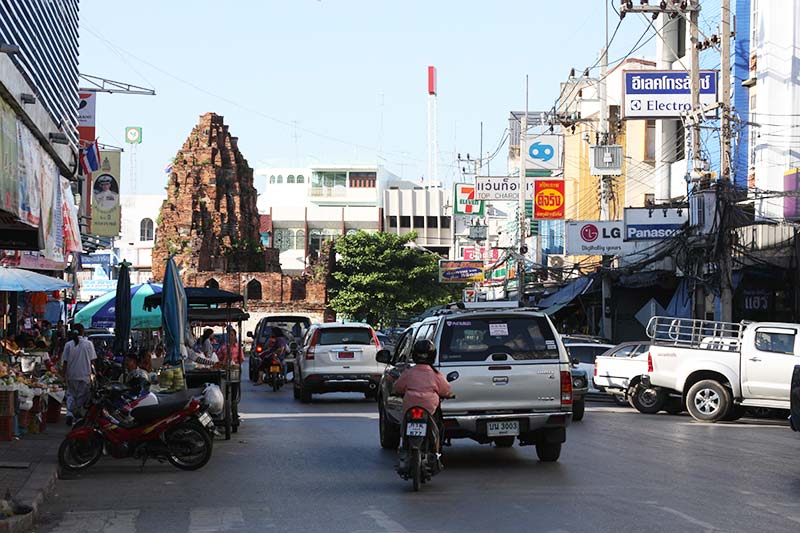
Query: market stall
pixel 207 307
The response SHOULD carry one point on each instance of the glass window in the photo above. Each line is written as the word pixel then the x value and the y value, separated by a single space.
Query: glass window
pixel 355 336
pixel 445 222
pixel 301 178
pixel 433 222
pixel 283 239
pixel 625 351
pixel 775 341
pixel 280 178
pixel 272 179
pixel 254 290
pixel 146 229
pixel 405 222
pixel 392 221
pixel 476 339
pixel 299 239
pixel 650 141
pixel 419 222
pixel 585 354
pixel 290 178
pixel 640 350
pixel 403 350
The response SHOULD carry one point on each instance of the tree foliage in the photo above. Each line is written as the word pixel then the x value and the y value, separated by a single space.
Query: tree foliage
pixel 378 279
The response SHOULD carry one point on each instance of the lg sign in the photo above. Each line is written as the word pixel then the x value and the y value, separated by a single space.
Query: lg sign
pixel 596 238
pixel 590 233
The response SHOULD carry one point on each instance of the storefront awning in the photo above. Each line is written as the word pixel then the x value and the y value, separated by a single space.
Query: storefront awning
pixel 565 295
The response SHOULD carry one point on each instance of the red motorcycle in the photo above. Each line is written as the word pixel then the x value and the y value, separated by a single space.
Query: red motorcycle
pixel 178 430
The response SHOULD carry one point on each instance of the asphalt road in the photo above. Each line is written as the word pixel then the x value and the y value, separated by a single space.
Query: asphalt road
pixel 318 467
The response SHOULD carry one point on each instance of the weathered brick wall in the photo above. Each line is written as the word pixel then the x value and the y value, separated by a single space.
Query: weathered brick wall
pixel 276 288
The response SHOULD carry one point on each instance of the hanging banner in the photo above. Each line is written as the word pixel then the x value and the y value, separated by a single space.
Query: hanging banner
pixel 69 215
pixel 548 200
pixel 465 201
pixel 9 155
pixel 105 196
pixel 460 271
pixel 86 117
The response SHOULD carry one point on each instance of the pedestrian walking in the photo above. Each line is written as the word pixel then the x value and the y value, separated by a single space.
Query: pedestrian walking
pixel 77 359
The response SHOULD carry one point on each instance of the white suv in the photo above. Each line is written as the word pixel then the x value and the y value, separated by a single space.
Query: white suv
pixel 508 369
pixel 337 357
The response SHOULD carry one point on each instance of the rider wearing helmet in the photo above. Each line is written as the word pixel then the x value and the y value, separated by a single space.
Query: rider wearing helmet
pixel 422 385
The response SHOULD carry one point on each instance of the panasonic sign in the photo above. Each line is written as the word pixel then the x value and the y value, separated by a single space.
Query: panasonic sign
pixel 664 93
pixel 652 224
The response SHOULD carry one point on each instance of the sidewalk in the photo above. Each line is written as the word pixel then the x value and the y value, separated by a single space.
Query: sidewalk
pixel 29 469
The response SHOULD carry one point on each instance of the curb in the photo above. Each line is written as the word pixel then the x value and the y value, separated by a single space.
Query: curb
pixel 38 487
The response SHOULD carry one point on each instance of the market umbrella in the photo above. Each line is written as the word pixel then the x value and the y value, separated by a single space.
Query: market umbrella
pixel 174 311
pixel 99 313
pixel 122 310
pixel 18 279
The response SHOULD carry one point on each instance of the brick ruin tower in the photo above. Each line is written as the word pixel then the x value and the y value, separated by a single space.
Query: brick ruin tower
pixel 209 220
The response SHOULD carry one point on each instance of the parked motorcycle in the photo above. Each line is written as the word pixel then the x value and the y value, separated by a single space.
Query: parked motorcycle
pixel 275 376
pixel 178 430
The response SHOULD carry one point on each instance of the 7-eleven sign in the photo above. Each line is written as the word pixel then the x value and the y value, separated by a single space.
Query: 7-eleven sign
pixel 470 295
pixel 465 202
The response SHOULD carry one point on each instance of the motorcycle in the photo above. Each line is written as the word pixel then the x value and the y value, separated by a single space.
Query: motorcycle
pixel 275 376
pixel 178 430
pixel 419 456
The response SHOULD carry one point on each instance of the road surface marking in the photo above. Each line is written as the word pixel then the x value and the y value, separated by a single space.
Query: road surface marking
pixel 382 519
pixel 210 519
pixel 705 525
pixel 768 509
pixel 255 416
pixel 98 522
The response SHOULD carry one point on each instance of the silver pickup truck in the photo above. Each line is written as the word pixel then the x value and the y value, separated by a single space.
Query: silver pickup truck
pixel 508 369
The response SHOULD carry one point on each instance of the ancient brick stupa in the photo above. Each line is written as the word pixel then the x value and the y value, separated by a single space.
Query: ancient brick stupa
pixel 209 219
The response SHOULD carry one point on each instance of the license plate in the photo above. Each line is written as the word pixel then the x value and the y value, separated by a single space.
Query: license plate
pixel 346 355
pixel 274 369
pixel 414 429
pixel 504 428
pixel 205 419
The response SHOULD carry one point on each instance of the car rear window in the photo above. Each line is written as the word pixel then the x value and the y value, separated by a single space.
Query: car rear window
pixel 289 325
pixel 475 339
pixel 329 336
pixel 586 354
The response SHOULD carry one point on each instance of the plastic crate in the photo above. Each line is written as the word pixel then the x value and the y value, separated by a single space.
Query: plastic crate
pixel 7 401
pixel 7 428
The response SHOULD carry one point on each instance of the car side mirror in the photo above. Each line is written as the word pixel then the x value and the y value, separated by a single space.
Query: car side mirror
pixel 384 356
pixel 250 334
pixel 576 361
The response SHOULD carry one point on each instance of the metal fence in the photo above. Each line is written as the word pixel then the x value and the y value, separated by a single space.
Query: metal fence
pixel 694 333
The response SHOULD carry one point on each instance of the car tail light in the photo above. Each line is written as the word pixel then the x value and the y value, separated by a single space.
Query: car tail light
pixel 649 363
pixel 375 340
pixel 259 348
pixel 312 346
pixel 566 387
pixel 595 369
pixel 417 413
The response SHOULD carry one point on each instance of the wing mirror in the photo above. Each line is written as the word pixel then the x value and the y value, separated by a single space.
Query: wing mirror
pixel 576 361
pixel 250 334
pixel 384 356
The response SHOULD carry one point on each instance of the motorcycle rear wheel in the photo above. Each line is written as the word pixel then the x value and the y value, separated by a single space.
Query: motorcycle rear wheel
pixel 189 446
pixel 79 454
pixel 416 468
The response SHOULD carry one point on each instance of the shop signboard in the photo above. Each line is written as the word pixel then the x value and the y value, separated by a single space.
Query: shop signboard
pixel 596 238
pixel 86 116
pixel 105 195
pixel 548 200
pixel 476 254
pixel 544 152
pixel 664 93
pixel 653 224
pixel 96 287
pixel 501 188
pixel 470 295
pixel 460 271
pixel 465 200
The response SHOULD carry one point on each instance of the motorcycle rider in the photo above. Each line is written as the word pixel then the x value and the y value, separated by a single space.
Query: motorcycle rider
pixel 276 345
pixel 423 386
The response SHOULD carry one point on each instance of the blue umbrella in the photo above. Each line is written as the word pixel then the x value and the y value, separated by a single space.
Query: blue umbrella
pixel 99 313
pixel 21 280
pixel 174 313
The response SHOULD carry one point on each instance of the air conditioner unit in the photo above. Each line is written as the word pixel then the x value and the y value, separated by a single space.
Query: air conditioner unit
pixel 555 261
pixel 605 160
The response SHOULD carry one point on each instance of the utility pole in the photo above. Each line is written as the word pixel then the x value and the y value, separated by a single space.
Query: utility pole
pixel 605 192
pixel 724 188
pixel 523 249
pixel 698 169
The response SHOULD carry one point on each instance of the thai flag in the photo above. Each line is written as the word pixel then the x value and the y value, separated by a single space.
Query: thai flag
pixel 168 168
pixel 90 158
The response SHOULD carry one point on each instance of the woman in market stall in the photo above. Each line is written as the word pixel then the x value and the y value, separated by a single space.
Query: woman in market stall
pixel 231 349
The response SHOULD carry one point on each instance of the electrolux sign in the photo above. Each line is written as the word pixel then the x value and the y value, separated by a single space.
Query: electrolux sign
pixel 645 224
pixel 664 93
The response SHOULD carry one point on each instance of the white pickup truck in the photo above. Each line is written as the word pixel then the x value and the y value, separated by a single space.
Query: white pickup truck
pixel 720 368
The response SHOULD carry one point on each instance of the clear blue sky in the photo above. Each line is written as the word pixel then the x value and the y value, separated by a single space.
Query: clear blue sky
pixel 327 65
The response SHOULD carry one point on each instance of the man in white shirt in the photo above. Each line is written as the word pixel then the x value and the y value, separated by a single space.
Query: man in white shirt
pixel 78 357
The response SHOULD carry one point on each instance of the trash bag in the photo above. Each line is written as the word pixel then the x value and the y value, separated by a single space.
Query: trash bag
pixel 213 398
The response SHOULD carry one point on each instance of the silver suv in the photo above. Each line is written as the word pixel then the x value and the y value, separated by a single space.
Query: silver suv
pixel 508 369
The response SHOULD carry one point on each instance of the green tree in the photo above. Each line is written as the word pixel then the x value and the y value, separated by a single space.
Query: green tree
pixel 377 278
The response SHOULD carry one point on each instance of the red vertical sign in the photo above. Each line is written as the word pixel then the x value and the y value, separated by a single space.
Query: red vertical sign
pixel 432 80
pixel 548 200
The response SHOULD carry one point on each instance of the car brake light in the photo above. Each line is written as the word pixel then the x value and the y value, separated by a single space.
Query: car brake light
pixel 566 387
pixel 375 340
pixel 595 369
pixel 649 363
pixel 259 348
pixel 417 413
pixel 312 346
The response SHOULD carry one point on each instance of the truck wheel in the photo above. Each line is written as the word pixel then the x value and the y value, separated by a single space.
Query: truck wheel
pixel 708 401
pixel 548 451
pixel 647 401
pixel 578 408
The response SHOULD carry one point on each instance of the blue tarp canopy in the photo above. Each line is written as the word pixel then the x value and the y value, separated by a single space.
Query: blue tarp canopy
pixel 564 296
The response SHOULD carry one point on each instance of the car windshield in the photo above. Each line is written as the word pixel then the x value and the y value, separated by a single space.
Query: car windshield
pixel 476 339
pixel 329 336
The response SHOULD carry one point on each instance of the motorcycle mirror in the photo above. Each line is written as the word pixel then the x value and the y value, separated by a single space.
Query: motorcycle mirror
pixel 452 376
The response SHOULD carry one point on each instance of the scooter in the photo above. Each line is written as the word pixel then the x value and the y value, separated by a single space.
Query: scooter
pixel 275 376
pixel 418 454
pixel 178 431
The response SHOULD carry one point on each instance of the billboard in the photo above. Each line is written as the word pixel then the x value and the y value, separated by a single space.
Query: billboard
pixel 105 196
pixel 596 238
pixel 465 200
pixel 476 254
pixel 460 271
pixel 646 224
pixel 664 93
pixel 86 117
pixel 791 184
pixel 501 188
pixel 548 200
pixel 544 152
